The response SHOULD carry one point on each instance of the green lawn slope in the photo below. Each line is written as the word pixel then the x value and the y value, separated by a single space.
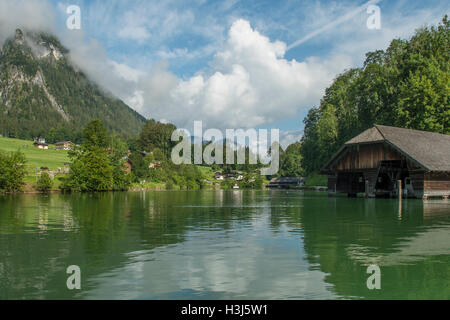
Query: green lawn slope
pixel 36 158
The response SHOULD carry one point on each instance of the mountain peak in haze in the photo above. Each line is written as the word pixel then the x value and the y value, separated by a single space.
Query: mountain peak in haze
pixel 40 91
pixel 19 36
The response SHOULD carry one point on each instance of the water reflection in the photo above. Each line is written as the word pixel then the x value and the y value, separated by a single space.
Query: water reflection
pixel 413 251
pixel 222 245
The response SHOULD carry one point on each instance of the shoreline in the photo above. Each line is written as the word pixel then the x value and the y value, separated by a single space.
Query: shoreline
pixel 318 188
pixel 29 189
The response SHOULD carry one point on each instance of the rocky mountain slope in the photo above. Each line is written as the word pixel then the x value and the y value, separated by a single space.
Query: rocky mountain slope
pixel 43 94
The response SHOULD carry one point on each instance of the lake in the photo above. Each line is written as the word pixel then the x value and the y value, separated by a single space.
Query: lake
pixel 239 244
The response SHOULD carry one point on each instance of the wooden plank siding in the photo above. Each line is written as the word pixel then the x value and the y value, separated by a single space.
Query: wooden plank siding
pixel 332 182
pixel 350 182
pixel 417 181
pixel 436 183
pixel 366 156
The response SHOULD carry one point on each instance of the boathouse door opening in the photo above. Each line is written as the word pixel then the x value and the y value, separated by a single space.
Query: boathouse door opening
pixel 389 173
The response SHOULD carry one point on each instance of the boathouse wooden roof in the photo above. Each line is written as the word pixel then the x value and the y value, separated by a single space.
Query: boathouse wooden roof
pixel 429 150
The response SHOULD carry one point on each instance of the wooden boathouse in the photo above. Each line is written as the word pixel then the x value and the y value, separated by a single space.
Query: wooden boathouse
pixel 376 160
pixel 286 182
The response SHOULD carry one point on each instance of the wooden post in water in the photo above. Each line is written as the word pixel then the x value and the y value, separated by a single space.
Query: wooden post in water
pixel 400 195
pixel 367 188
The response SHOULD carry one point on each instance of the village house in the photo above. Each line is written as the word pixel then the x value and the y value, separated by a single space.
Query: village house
pixel 40 144
pixel 63 145
pixel 382 160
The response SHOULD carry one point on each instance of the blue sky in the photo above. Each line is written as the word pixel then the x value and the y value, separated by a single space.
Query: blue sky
pixel 226 62
pixel 201 26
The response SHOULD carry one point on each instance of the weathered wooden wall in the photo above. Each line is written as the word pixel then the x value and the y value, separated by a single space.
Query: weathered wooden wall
pixel 436 183
pixel 417 181
pixel 350 182
pixel 332 181
pixel 366 157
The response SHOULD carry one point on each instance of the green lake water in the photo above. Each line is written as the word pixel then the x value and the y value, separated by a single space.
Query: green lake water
pixel 222 245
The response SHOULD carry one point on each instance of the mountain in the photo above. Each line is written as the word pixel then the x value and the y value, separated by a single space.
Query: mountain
pixel 43 94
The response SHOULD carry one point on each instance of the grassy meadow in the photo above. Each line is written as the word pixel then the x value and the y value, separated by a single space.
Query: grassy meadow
pixel 36 158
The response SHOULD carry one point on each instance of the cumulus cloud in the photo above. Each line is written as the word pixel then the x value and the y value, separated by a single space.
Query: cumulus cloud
pixel 250 84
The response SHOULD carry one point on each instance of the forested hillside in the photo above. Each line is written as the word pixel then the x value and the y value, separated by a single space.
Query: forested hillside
pixel 405 86
pixel 42 94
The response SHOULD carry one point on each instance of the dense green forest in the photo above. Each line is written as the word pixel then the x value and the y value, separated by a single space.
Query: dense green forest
pixel 407 86
pixel 42 94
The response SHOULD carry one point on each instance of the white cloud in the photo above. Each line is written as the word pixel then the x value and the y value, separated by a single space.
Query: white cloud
pixel 137 33
pixel 289 137
pixel 155 21
pixel 251 84
pixel 126 72
pixel 29 14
